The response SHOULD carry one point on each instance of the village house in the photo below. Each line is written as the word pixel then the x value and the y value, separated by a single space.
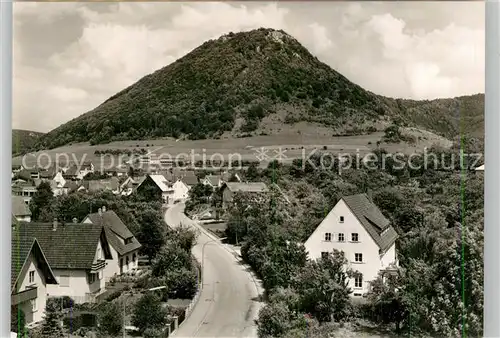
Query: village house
pixel 85 169
pixel 77 255
pixel 124 246
pixel 181 190
pixel 112 184
pixel 229 190
pixel 71 173
pixel 30 276
pixel 213 181
pixel 358 228
pixel 24 189
pixel 20 209
pixel 128 186
pixel 16 168
pixel 160 184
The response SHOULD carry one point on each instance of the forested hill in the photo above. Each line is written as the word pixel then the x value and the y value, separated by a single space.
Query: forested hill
pixel 230 84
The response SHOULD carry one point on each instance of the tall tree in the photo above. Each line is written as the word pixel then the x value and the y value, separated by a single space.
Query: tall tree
pixel 41 204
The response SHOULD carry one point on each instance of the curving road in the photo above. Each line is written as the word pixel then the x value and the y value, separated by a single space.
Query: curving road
pixel 228 303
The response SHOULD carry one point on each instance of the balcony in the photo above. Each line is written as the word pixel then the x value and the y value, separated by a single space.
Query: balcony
pixel 98 266
pixel 24 296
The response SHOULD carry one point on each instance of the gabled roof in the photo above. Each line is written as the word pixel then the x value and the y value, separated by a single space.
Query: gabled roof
pixel 114 227
pixel 161 182
pixel 19 207
pixel 228 175
pixel 21 247
pixel 214 180
pixel 253 187
pixel 372 219
pixel 71 186
pixel 70 246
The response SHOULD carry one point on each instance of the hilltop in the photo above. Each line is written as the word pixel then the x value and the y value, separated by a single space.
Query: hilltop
pixel 255 82
pixel 23 140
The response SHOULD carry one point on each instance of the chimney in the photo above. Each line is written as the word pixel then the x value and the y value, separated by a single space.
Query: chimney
pixel 99 211
pixel 54 225
pixel 103 208
pixel 75 220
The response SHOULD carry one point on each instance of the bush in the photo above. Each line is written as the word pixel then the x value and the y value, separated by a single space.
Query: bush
pixel 149 313
pixel 113 295
pixel 153 333
pixel 111 319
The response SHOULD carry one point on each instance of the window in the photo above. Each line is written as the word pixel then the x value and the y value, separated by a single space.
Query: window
pixel 324 255
pixel 341 237
pixel 341 219
pixel 134 258
pixel 64 280
pixel 32 277
pixel 354 237
pixel 358 257
pixel 92 278
pixel 33 305
pixel 126 261
pixel 358 281
pixel 99 253
pixel 328 237
pixel 121 261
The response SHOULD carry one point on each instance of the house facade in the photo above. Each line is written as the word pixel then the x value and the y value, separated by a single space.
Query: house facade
pixel 30 276
pixel 77 256
pixel 124 246
pixel 181 190
pixel 358 228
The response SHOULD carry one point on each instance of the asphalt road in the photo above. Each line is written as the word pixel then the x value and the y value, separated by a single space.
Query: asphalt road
pixel 228 304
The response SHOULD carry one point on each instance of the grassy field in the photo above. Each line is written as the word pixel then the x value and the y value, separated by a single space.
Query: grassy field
pixel 263 148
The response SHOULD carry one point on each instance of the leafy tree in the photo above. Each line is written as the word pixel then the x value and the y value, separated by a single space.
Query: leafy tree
pixel 170 258
pixel 323 286
pixel 149 313
pixel 151 232
pixel 42 202
pixel 111 319
pixel 252 173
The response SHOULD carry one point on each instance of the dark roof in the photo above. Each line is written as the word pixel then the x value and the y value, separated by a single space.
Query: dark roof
pixel 71 171
pixel 115 229
pixel 19 207
pixel 70 246
pixel 98 185
pixel 372 219
pixel 22 245
pixel 71 186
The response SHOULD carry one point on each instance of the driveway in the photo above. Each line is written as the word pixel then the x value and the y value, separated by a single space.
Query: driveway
pixel 228 303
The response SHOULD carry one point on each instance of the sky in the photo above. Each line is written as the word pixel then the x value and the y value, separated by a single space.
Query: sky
pixel 71 57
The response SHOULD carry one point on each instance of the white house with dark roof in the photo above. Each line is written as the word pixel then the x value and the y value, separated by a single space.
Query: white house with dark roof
pixel 124 246
pixel 30 275
pixel 76 254
pixel 161 184
pixel 358 228
pixel 20 208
